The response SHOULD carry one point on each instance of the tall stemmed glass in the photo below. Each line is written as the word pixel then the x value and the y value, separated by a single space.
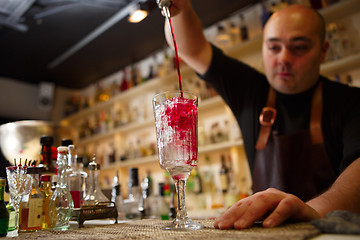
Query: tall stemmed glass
pixel 176 119
pixel 19 185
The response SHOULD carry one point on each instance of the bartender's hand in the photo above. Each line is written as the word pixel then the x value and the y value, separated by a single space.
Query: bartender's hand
pixel 273 205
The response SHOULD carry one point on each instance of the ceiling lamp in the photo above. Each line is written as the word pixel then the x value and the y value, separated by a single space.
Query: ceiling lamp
pixel 138 13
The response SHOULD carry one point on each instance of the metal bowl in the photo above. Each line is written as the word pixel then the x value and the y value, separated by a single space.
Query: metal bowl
pixel 21 139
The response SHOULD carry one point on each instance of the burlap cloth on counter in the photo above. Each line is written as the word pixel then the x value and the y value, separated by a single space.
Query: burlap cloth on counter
pixel 151 229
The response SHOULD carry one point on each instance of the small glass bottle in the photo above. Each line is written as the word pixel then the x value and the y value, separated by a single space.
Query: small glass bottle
pixel 45 188
pixel 31 205
pixel 4 214
pixel 116 196
pixel 76 178
pixel 94 194
pixel 61 203
pixel 46 154
pixel 131 204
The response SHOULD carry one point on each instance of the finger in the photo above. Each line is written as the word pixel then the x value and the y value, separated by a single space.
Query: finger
pixel 287 208
pixel 261 204
pixel 227 220
pixel 290 207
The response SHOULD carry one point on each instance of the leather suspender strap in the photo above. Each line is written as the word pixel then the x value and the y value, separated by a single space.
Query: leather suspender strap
pixel 267 119
pixel 268 116
pixel 316 115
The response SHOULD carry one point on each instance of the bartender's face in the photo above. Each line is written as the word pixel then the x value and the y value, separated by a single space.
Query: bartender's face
pixel 293 49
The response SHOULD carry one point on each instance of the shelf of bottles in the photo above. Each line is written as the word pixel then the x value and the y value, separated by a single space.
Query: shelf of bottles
pixel 342 58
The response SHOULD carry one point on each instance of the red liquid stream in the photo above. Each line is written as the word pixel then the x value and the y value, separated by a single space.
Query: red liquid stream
pixel 176 56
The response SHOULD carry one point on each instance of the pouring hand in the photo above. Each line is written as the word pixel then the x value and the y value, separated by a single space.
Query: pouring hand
pixel 273 205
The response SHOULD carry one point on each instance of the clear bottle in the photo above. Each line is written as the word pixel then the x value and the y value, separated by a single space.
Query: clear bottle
pixel 116 196
pixel 131 204
pixel 31 205
pixel 45 188
pixel 94 194
pixel 61 203
pixel 4 214
pixel 76 178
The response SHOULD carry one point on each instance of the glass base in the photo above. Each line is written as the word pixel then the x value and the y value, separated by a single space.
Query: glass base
pixel 13 233
pixel 62 227
pixel 185 224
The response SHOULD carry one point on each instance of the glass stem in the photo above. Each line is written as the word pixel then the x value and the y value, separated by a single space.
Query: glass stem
pixel 180 189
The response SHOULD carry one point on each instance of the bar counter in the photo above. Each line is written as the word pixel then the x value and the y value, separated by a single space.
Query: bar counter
pixel 151 229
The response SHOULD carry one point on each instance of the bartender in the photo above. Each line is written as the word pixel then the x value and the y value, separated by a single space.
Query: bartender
pixel 301 131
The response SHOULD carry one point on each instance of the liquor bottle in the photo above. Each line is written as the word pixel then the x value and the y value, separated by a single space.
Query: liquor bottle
pixel 61 203
pixel 173 204
pixel 131 204
pixel 124 83
pixel 76 178
pixel 45 188
pixel 4 214
pixel 244 32
pixel 233 194
pixel 224 175
pixel 46 155
pixel 234 33
pixel 11 209
pixel 94 194
pixel 31 205
pixel 116 196
pixel 159 206
pixel 146 193
pixel 223 39
pixel 197 182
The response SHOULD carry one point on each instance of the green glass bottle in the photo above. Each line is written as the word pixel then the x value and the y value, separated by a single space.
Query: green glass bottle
pixel 11 209
pixel 4 214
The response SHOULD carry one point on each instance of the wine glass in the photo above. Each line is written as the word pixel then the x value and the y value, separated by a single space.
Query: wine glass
pixel 176 119
pixel 19 185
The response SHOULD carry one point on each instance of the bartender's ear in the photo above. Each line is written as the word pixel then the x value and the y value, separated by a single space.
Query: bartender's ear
pixel 324 48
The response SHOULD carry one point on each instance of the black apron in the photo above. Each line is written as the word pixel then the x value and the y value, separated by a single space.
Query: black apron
pixel 295 163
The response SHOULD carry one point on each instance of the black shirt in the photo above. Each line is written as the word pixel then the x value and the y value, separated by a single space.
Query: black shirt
pixel 245 90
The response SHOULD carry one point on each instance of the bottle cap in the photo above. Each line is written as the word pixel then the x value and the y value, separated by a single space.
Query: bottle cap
pixel 93 165
pixel 62 150
pixel 45 178
pixel 72 149
pixel 46 140
pixel 66 142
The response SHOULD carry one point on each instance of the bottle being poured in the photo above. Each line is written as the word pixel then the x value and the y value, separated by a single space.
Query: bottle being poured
pixel 164 5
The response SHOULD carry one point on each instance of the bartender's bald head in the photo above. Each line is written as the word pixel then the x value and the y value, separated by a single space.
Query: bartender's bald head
pixel 302 15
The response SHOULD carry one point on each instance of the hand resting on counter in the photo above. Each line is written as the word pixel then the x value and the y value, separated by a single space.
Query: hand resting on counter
pixel 272 205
